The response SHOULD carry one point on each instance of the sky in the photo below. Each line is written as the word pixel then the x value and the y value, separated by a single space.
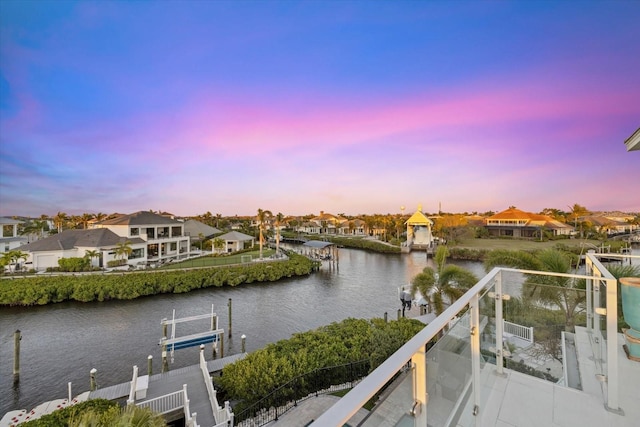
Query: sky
pixel 347 107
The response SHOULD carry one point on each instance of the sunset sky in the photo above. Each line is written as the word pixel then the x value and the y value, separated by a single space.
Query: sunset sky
pixel 354 107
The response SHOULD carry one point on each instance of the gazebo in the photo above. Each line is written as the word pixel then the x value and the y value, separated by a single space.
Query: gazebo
pixel 419 228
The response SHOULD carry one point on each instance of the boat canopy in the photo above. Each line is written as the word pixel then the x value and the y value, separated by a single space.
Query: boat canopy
pixel 318 244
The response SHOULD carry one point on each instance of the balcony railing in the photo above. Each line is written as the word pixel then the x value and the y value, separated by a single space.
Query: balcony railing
pixel 450 383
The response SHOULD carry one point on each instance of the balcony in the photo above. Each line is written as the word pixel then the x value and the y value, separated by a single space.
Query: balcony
pixel 515 350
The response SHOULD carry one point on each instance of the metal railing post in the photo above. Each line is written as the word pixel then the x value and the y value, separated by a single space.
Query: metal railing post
pixel 420 397
pixel 612 345
pixel 589 272
pixel 499 324
pixel 474 320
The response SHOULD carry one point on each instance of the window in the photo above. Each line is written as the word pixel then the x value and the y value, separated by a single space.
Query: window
pixel 137 253
pixel 135 231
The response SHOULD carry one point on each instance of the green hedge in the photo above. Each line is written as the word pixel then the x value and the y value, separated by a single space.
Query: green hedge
pixel 262 371
pixel 360 243
pixel 42 290
pixel 465 254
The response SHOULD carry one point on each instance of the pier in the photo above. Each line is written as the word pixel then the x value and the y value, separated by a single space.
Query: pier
pixel 183 393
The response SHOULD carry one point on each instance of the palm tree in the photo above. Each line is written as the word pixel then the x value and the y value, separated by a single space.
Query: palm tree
pixel 564 292
pixel 85 218
pixel 262 218
pixel 11 258
pixel 91 254
pixel 443 285
pixel 123 250
pixel 576 212
pixel 59 220
pixel 279 222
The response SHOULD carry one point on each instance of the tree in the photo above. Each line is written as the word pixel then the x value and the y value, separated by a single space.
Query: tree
pixel 262 218
pixel 218 244
pixel 60 220
pixel 128 416
pixel 443 285
pixel 91 254
pixel 11 258
pixel 576 212
pixel 566 293
pixel 85 219
pixel 278 224
pixel 123 250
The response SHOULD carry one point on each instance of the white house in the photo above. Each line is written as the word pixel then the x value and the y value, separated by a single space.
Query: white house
pixel 45 253
pixel 10 240
pixel 151 237
pixel 164 237
pixel 235 241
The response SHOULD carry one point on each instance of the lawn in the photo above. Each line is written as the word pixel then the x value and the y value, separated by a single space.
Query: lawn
pixel 215 261
pixel 516 244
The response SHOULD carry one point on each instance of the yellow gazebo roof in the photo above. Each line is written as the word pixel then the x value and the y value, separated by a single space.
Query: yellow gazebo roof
pixel 418 218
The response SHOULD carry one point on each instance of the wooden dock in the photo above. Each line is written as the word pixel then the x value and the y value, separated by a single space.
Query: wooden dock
pixel 173 381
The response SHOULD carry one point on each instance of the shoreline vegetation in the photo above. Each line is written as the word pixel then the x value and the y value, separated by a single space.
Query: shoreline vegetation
pixel 44 289
pixel 29 290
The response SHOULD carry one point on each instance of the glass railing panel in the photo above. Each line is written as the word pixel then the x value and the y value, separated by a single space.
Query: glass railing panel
pixel 393 404
pixel 541 319
pixel 487 307
pixel 449 374
pixel 599 332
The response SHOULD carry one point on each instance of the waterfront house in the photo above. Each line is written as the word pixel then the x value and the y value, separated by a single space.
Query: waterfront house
pixel 45 253
pixel 199 231
pixel 235 241
pixel 328 223
pixel 515 223
pixel 10 240
pixel 352 227
pixel 164 237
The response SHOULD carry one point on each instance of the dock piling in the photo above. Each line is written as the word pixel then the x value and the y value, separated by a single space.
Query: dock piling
pixel 244 339
pixel 229 317
pixel 93 385
pixel 150 365
pixel 16 354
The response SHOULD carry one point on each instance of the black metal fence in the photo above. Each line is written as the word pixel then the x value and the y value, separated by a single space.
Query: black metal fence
pixel 320 381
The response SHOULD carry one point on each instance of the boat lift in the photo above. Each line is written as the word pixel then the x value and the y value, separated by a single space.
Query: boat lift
pixel 214 336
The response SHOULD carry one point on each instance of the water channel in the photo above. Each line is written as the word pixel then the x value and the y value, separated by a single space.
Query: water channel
pixel 62 342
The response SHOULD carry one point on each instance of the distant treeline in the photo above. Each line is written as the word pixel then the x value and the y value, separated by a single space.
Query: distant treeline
pixel 40 290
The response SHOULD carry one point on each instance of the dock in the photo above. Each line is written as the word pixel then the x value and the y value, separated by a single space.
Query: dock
pixel 165 391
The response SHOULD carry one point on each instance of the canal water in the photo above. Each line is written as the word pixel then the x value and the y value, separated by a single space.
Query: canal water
pixel 62 342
